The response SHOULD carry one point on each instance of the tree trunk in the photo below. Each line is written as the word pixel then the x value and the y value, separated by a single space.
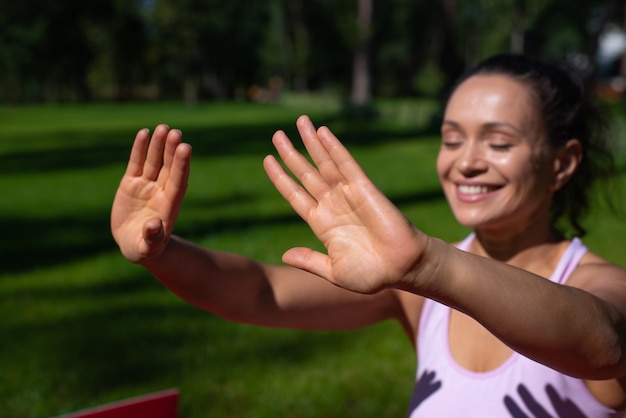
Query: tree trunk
pixel 300 47
pixel 518 33
pixel 361 77
pixel 450 60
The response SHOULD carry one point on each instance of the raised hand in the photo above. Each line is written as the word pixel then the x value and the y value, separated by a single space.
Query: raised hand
pixel 149 196
pixel 370 244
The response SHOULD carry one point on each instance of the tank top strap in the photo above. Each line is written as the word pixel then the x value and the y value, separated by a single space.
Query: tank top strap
pixel 464 245
pixel 569 261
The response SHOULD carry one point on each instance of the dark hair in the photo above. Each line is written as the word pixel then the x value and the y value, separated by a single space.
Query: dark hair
pixel 567 112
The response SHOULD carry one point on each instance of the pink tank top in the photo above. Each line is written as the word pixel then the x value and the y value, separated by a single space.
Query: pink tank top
pixel 518 388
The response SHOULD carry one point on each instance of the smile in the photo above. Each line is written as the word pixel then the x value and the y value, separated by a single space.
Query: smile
pixel 474 189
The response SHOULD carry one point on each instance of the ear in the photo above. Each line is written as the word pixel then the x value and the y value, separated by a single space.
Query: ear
pixel 566 161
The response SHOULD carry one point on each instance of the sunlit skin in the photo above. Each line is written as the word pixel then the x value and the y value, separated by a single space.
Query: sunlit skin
pixel 499 175
pixel 495 164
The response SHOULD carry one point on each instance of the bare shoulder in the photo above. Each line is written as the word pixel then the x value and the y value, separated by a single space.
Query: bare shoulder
pixel 592 266
pixel 601 278
pixel 606 281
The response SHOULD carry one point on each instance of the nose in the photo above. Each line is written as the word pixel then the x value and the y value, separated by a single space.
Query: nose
pixel 471 161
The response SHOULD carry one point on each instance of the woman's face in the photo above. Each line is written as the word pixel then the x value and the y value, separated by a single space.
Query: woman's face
pixel 494 164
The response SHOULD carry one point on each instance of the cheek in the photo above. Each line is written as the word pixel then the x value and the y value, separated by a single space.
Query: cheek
pixel 514 167
pixel 443 165
pixel 542 168
pixel 507 160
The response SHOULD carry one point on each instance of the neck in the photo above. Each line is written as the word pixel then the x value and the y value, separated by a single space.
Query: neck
pixel 511 246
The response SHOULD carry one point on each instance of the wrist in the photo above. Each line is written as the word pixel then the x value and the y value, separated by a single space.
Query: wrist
pixel 160 255
pixel 424 278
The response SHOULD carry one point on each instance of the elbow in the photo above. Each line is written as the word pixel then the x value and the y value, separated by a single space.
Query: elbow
pixel 605 342
pixel 609 366
pixel 607 361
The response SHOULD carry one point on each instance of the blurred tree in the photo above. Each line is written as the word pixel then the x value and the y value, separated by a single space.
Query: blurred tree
pixel 275 47
pixel 361 74
pixel 410 45
pixel 49 49
pixel 21 34
pixel 65 53
pixel 300 45
pixel 120 41
pixel 211 48
pixel 177 44
pixel 331 28
pixel 197 49
pixel 560 30
pixel 129 43
pixel 450 54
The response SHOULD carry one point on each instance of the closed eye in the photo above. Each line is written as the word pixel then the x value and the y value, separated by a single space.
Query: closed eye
pixel 451 139
pixel 500 147
pixel 451 144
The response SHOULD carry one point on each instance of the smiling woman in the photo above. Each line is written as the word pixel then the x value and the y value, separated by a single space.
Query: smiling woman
pixel 495 150
pixel 513 138
pixel 518 319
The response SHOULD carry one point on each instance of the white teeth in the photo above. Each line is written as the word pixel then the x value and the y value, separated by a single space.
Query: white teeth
pixel 473 189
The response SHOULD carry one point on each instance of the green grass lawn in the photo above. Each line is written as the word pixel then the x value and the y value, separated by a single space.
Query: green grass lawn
pixel 81 326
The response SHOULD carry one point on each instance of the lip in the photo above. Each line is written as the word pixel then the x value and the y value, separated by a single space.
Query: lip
pixel 474 192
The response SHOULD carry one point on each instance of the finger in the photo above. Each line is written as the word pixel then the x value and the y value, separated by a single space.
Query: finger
pixel 319 154
pixel 304 171
pixel 179 172
pixel 312 261
pixel 154 159
pixel 138 153
pixel 173 139
pixel 299 199
pixel 343 160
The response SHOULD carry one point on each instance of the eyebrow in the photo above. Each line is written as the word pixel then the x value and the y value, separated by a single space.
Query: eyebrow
pixel 485 126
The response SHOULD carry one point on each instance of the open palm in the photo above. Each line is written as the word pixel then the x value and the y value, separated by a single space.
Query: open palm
pixel 370 244
pixel 149 196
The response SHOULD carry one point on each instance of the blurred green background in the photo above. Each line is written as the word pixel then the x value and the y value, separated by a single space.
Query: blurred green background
pixel 80 326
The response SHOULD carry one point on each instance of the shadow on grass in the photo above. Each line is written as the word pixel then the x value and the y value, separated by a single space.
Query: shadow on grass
pixel 30 243
pixel 74 150
pixel 59 240
pixel 112 346
pixel 116 339
pixel 33 243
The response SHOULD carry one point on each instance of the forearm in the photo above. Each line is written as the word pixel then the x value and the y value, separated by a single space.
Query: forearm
pixel 228 285
pixel 563 327
pixel 237 288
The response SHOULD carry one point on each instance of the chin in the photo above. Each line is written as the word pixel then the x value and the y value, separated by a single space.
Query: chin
pixel 470 219
pixel 469 224
pixel 478 222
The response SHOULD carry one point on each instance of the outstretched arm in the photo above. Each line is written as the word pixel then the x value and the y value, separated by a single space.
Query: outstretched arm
pixel 371 246
pixel 142 220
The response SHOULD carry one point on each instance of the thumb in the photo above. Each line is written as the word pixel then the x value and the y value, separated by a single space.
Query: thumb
pixel 312 261
pixel 153 231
